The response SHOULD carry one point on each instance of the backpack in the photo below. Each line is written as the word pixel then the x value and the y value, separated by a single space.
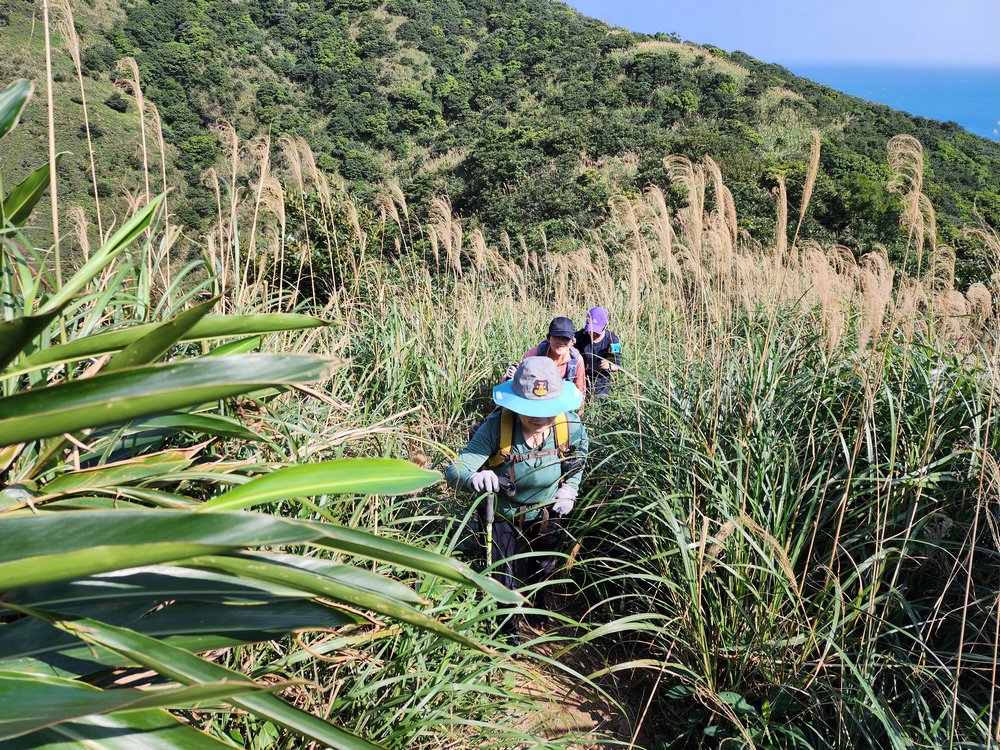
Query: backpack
pixel 505 451
pixel 574 360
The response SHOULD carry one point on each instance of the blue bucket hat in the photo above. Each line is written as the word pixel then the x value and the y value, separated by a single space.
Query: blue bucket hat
pixel 537 390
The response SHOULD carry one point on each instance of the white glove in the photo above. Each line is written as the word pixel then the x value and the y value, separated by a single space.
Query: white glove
pixel 565 496
pixel 484 481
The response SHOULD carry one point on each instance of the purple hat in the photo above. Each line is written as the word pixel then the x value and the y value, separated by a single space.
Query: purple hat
pixel 597 319
pixel 537 390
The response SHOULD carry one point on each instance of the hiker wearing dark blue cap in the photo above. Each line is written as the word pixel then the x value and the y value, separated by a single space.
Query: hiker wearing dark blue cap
pixel 537 442
pixel 601 351
pixel 559 347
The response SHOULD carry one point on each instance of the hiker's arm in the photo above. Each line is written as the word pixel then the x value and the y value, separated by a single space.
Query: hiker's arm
pixel 473 456
pixel 533 352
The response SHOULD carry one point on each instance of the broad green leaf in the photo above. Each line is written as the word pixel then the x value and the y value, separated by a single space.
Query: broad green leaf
pixel 17 496
pixel 121 396
pixel 349 575
pixel 154 582
pixel 51 547
pixel 240 346
pixel 157 342
pixel 48 547
pixel 12 102
pixel 110 475
pixel 103 256
pixel 257 567
pixel 17 334
pixel 355 476
pixel 33 702
pixel 739 704
pixel 152 729
pixel 206 424
pixel 209 327
pixel 362 544
pixel 21 200
pixel 184 667
pixel 679 692
pixel 143 497
pixel 31 644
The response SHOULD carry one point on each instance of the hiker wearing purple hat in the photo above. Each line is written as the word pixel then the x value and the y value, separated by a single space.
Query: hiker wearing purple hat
pixel 601 351
pixel 537 442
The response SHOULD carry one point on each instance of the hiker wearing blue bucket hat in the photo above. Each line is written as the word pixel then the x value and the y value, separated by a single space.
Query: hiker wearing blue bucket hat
pixel 536 442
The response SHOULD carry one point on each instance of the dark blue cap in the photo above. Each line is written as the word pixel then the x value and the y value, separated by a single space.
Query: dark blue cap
pixel 562 327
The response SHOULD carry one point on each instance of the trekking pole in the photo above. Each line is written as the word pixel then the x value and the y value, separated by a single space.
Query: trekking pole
pixel 488 514
pixel 509 489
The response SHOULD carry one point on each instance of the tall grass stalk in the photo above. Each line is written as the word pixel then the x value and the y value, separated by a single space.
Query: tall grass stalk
pixel 67 29
pixel 50 110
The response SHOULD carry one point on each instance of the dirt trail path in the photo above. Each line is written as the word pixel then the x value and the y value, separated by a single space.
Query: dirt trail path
pixel 571 709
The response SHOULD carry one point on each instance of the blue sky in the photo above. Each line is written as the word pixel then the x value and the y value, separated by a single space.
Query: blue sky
pixel 790 31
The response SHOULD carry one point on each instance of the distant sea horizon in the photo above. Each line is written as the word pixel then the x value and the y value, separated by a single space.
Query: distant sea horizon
pixel 966 94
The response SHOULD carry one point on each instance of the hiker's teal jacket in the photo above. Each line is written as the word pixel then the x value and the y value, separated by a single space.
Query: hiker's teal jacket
pixel 537 479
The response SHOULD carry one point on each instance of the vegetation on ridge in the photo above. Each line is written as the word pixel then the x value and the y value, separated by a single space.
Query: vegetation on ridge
pixel 527 114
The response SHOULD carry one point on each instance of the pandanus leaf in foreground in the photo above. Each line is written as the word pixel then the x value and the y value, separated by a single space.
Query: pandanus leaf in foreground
pixel 50 547
pixel 117 397
pixel 209 327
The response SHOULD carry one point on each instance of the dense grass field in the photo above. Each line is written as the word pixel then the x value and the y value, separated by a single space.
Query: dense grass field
pixel 787 535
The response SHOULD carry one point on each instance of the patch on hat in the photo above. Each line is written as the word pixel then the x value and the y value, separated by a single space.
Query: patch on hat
pixel 541 388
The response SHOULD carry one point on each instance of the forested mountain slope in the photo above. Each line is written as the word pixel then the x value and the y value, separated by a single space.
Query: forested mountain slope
pixel 527 114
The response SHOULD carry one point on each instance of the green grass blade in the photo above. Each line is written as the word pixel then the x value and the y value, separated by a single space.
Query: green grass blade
pixel 205 424
pixel 362 544
pixel 53 547
pixel 133 470
pixel 199 624
pixel 163 582
pixel 240 346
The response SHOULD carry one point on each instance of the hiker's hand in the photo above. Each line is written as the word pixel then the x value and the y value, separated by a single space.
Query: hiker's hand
pixel 565 496
pixel 509 374
pixel 605 365
pixel 484 481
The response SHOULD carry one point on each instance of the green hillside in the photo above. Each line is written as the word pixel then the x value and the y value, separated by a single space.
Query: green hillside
pixel 527 114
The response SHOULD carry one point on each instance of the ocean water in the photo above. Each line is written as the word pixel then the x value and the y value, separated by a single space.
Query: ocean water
pixel 969 96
